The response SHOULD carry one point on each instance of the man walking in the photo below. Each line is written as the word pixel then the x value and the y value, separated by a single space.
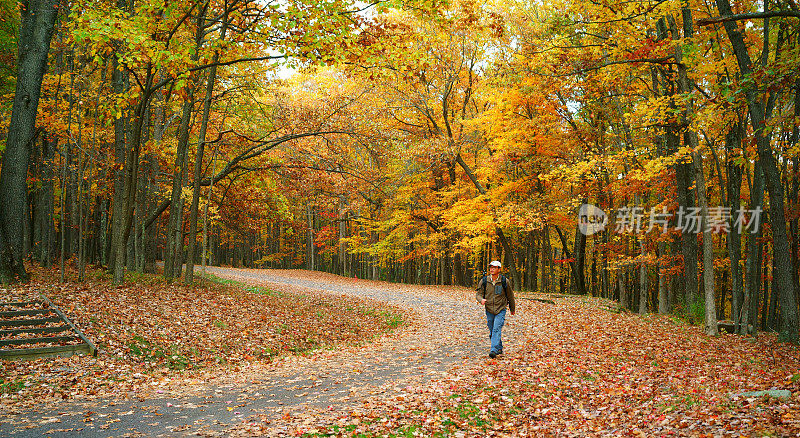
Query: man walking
pixel 495 292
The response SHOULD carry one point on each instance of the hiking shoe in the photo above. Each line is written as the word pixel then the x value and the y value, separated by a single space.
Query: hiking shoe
pixel 493 355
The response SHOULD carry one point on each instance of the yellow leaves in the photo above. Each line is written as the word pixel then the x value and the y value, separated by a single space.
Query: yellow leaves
pixel 654 169
pixel 471 216
pixel 186 193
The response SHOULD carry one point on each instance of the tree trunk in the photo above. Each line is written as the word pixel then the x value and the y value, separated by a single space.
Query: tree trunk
pixel 623 292
pixel 749 310
pixel 174 244
pixel 447 265
pixel 533 263
pixel 789 324
pixel 734 171
pixel 708 251
pixel 547 261
pixel 205 255
pixel 37 23
pixel 174 247
pixel 62 219
pixel 691 140
pixel 27 225
pixel 458 267
pixel 83 195
pixel 127 181
pixel 577 275
pixel 663 283
pixel 684 175
pixel 342 253
pixel 45 203
pixel 146 233
pixel 105 234
pixel 201 143
pixel 310 265
pixel 580 260
pixel 643 286
pixel 793 224
pixel 120 155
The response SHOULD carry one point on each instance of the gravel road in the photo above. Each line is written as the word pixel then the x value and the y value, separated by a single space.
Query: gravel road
pixel 448 330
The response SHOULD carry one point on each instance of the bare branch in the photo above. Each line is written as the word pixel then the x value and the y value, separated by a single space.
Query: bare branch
pixel 749 16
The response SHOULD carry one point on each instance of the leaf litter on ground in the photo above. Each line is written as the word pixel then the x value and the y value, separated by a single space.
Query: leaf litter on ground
pixel 154 336
pixel 576 369
pixel 570 369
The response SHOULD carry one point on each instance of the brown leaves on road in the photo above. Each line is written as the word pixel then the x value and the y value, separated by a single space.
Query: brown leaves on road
pixel 154 335
pixel 578 370
pixel 570 369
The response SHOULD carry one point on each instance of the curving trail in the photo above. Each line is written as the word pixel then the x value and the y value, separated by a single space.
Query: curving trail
pixel 447 331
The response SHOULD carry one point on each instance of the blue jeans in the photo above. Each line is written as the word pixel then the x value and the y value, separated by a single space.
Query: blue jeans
pixel 495 323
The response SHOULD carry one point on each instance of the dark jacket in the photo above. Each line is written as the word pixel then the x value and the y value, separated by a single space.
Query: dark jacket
pixel 496 298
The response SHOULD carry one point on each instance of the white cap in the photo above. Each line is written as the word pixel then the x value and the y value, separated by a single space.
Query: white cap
pixel 496 263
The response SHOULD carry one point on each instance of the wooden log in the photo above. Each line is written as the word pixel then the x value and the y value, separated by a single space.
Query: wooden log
pixel 20 303
pixel 42 340
pixel 541 300
pixel 35 330
pixel 28 322
pixel 15 313
pixel 727 326
pixel 35 353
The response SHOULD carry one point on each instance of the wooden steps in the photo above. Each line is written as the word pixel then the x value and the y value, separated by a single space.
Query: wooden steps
pixel 33 329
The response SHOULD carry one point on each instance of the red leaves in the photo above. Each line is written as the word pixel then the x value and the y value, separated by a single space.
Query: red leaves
pixel 650 49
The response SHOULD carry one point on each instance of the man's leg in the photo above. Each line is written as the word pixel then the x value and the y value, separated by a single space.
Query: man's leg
pixel 497 332
pixel 500 350
pixel 490 323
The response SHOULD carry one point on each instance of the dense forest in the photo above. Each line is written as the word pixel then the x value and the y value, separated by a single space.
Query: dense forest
pixel 414 142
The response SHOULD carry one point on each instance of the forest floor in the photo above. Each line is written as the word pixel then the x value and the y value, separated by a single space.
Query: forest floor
pixel 299 353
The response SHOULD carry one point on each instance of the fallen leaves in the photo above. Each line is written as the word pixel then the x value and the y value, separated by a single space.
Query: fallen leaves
pixel 570 369
pixel 153 334
pixel 578 370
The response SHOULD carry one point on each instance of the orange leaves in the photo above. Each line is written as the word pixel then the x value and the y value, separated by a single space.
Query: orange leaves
pixel 650 48
pixel 148 332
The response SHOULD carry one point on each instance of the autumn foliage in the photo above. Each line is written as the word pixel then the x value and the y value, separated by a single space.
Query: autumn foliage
pixel 415 141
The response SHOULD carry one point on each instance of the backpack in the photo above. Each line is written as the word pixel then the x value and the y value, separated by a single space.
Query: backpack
pixel 502 280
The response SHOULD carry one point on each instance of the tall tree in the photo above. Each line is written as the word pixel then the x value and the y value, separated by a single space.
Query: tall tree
pixel 38 22
pixel 760 109
pixel 198 161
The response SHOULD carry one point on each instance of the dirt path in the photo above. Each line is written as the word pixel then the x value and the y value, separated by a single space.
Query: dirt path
pixel 447 331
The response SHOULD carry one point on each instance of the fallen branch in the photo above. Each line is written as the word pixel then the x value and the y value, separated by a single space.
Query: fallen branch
pixel 541 300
